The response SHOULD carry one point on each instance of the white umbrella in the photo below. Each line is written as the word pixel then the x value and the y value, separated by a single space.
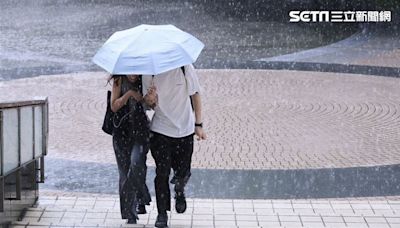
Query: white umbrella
pixel 148 49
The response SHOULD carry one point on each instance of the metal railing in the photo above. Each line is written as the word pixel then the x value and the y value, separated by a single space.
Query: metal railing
pixel 24 128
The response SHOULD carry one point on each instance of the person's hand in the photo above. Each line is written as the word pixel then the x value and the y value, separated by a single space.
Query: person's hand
pixel 152 89
pixel 151 98
pixel 136 95
pixel 201 135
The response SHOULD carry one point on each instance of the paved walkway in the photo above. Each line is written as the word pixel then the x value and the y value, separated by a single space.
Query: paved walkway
pixel 56 210
pixel 255 119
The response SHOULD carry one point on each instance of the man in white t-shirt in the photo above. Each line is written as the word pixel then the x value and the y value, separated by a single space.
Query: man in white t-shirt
pixel 176 119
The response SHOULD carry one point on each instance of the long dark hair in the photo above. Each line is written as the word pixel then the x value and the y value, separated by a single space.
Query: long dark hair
pixel 117 78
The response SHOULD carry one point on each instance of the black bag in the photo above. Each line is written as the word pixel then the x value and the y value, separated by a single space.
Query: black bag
pixel 108 123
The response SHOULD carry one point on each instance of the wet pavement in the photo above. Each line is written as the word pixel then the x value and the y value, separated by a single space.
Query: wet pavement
pixel 290 133
pixel 372 51
pixel 100 178
pixel 45 37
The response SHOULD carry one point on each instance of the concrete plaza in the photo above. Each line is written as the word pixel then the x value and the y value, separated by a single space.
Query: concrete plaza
pixel 255 120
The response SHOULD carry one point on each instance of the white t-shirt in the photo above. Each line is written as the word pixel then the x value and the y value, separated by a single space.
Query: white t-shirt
pixel 173 115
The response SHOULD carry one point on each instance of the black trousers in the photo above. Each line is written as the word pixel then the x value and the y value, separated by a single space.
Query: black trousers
pixel 175 153
pixel 131 161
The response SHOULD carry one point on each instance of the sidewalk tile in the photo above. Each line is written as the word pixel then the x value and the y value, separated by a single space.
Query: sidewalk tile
pixel 228 217
pixel 289 218
pixel 384 212
pixel 325 212
pixel 302 206
pixel 36 214
pixel 330 219
pixel 311 219
pixel 113 215
pixel 269 224
pixel 177 222
pixel 313 224
pixel 302 211
pixel 379 225
pixel 49 220
pixel 208 223
pixel 97 215
pixel 267 218
pixel 71 220
pixel 335 225
pixel 375 219
pixel 226 223
pixel 291 224
pixel 244 211
pixel 284 211
pixel 354 219
pixel 93 221
pixel 69 214
pixel 246 223
pixel 221 211
pixel 357 225
pixel 203 217
pixel 393 220
pixel 264 211
pixel 246 217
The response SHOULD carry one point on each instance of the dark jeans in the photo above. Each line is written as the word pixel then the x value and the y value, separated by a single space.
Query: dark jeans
pixel 132 169
pixel 175 153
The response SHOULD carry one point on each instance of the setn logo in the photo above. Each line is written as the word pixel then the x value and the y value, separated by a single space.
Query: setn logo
pixel 340 16
pixel 309 16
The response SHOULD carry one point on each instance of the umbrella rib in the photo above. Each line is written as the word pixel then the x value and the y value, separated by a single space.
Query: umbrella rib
pixel 119 56
pixel 184 51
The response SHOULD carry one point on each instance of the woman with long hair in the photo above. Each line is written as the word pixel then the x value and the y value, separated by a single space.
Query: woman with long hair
pixel 131 144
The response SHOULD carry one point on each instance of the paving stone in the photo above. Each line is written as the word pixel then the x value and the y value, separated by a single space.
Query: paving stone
pixel 394 220
pixel 91 215
pixel 48 220
pixel 226 223
pixel 316 219
pixel 379 225
pixel 70 214
pixel 269 224
pixel 291 224
pixel 335 225
pixel 36 214
pixel 227 217
pixel 72 220
pixel 353 219
pixel 375 219
pixel 332 219
pixel 202 223
pixel 357 225
pixel 313 224
pixel 304 211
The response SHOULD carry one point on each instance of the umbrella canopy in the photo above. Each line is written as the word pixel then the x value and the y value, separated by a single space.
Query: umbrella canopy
pixel 148 49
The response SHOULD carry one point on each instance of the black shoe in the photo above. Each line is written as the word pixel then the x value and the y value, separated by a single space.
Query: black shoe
pixel 131 221
pixel 162 220
pixel 180 202
pixel 141 209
